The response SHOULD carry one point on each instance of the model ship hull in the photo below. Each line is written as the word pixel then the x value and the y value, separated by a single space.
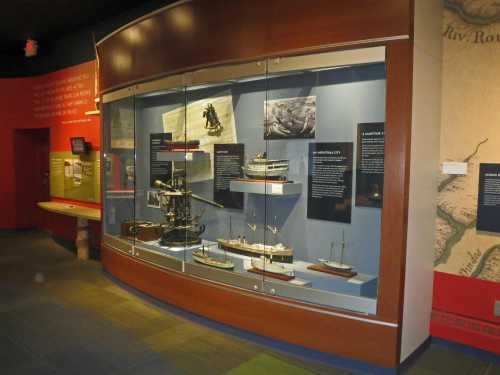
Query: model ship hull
pixel 336 266
pixel 333 268
pixel 202 258
pixel 141 230
pixel 278 174
pixel 284 255
pixel 268 268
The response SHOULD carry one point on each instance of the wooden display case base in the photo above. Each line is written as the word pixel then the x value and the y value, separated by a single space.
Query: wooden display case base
pixel 321 268
pixel 357 336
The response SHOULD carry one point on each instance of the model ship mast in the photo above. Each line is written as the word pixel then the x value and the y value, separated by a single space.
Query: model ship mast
pixel 253 228
pixel 342 248
pixel 274 229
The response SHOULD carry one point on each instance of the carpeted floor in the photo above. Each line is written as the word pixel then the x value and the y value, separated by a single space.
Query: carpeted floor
pixel 62 316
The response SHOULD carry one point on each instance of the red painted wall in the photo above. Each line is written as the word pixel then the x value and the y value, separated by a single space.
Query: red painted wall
pixel 463 311
pixel 56 101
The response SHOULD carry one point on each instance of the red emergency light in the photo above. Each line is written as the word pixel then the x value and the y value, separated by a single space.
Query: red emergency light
pixel 31 48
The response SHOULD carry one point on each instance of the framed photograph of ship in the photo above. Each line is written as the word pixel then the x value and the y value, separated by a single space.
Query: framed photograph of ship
pixel 290 118
pixel 370 165
pixel 329 192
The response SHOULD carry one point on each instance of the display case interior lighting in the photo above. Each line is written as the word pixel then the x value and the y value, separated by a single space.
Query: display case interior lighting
pixel 209 85
pixel 248 79
pixel 161 92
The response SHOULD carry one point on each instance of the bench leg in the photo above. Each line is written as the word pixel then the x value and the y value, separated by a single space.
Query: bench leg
pixel 82 238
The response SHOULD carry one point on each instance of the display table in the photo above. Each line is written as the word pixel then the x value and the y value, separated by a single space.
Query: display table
pixel 83 215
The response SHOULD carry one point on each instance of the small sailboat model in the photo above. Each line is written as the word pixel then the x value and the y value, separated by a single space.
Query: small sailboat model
pixel 202 256
pixel 333 267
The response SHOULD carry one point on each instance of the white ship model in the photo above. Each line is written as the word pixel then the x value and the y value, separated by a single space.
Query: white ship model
pixel 261 168
pixel 337 268
pixel 268 266
pixel 240 245
pixel 279 252
pixel 202 256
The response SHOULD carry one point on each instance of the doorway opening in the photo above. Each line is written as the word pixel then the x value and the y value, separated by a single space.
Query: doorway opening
pixel 31 170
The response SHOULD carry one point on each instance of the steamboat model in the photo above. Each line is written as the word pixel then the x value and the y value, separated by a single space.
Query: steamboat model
pixel 261 168
pixel 278 252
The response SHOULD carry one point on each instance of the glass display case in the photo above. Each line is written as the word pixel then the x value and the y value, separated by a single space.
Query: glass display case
pixel 265 176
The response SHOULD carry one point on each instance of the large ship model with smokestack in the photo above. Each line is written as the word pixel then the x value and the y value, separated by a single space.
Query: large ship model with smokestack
pixel 262 168
pixel 240 245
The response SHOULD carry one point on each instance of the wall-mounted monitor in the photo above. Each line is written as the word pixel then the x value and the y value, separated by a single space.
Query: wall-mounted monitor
pixel 79 146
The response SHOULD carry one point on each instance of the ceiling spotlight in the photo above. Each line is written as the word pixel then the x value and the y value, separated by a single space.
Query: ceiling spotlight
pixel 31 48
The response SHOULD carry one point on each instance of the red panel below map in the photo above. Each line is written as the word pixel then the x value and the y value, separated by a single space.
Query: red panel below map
pixel 463 311
pixel 466 296
pixel 471 332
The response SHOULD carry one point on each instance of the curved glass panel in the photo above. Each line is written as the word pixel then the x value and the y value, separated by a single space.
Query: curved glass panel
pixel 267 178
pixel 118 147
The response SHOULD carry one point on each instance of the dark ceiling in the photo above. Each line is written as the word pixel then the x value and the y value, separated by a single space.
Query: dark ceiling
pixel 48 20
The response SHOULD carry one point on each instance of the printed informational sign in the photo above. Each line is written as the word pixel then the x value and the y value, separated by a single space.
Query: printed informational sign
pixel 370 165
pixel 488 207
pixel 122 132
pixel 159 170
pixel 455 168
pixel 75 177
pixel 329 192
pixel 228 163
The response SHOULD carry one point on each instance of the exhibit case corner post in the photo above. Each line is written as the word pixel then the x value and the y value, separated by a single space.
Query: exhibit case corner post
pixel 266 176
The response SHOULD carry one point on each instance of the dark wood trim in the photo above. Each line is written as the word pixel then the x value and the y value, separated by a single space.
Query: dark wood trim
pixel 372 343
pixel 188 35
pixel 396 180
pixel 399 62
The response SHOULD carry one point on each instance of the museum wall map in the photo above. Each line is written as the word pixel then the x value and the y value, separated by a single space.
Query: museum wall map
pixel 470 123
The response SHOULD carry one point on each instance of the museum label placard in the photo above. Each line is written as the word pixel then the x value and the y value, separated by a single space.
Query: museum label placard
pixel 228 163
pixel 370 165
pixel 329 192
pixel 159 170
pixel 488 207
